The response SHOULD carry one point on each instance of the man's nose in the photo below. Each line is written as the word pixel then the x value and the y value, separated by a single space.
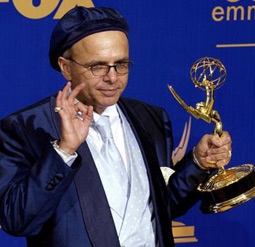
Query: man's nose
pixel 112 74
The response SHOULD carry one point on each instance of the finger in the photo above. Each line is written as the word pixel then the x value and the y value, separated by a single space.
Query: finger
pixel 85 113
pixel 214 151
pixel 221 163
pixel 220 145
pixel 220 159
pixel 76 91
pixel 223 149
pixel 66 89
pixel 59 100
pixel 66 98
pixel 221 140
pixel 219 153
pixel 80 109
pixel 79 106
pixel 62 94
pixel 90 112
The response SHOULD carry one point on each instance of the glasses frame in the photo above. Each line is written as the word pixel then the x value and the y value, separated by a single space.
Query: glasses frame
pixel 115 66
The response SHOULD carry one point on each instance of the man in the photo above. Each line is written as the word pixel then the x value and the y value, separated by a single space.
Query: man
pixel 58 189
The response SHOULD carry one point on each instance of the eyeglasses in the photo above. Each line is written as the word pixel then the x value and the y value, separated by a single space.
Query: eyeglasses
pixel 121 68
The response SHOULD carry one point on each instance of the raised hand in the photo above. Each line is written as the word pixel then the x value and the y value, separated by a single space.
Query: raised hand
pixel 75 118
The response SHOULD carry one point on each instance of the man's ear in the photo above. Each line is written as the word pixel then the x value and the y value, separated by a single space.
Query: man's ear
pixel 64 65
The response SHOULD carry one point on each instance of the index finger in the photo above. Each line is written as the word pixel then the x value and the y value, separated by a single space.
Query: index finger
pixel 222 140
pixel 76 90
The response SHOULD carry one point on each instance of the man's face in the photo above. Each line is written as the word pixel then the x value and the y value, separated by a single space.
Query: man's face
pixel 104 48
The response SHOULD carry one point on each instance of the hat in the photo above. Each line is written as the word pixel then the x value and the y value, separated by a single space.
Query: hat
pixel 80 22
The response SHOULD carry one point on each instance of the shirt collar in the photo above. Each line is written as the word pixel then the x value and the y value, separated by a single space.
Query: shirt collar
pixel 110 111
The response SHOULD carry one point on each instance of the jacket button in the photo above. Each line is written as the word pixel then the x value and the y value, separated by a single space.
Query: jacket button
pixel 56 179
pixel 51 185
pixel 59 177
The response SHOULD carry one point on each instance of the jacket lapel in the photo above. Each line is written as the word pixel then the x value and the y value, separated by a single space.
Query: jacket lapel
pixel 95 208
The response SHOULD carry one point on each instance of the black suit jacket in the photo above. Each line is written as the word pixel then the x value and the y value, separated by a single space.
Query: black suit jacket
pixel 54 205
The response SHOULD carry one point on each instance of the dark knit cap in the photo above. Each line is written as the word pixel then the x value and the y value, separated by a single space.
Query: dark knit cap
pixel 80 22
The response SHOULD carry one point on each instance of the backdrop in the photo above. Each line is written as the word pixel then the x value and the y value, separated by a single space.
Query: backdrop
pixel 166 38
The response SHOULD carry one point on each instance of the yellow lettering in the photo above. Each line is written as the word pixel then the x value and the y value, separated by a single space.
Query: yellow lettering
pixel 68 4
pixel 250 10
pixel 27 9
pixel 218 13
pixel 233 1
pixel 235 11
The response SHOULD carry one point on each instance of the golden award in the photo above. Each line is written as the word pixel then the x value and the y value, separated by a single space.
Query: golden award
pixel 227 188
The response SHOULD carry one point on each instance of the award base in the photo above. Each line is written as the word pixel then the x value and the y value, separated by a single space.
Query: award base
pixel 227 189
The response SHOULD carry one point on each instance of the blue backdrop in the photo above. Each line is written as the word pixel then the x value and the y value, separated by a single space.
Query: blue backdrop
pixel 166 37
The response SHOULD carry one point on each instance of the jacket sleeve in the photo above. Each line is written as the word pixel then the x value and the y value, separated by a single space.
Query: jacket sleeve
pixel 32 181
pixel 183 183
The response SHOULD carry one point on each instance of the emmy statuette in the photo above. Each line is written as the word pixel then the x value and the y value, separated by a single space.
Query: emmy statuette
pixel 227 188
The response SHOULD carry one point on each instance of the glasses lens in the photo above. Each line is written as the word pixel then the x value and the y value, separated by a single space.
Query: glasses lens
pixel 100 69
pixel 122 68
